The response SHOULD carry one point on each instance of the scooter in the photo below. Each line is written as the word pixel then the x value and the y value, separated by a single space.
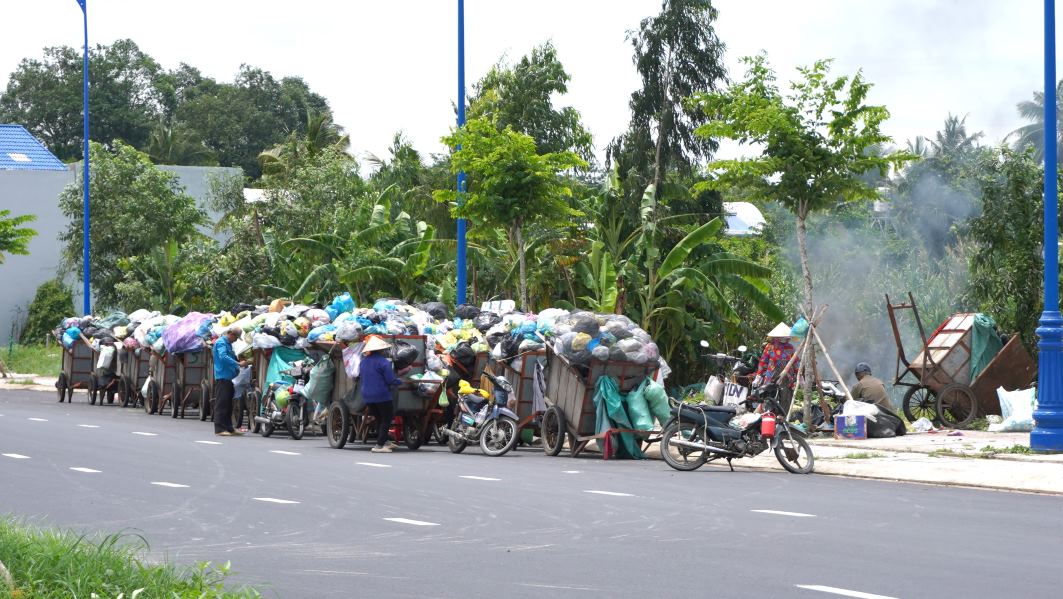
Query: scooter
pixel 285 404
pixel 484 418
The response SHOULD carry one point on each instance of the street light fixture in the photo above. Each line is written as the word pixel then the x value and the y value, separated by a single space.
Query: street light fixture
pixel 87 300
pixel 1048 436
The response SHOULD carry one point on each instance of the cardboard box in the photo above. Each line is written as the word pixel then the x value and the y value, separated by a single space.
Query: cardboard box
pixel 850 427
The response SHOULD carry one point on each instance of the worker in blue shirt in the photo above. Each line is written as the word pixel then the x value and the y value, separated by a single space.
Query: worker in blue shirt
pixel 226 367
pixel 376 376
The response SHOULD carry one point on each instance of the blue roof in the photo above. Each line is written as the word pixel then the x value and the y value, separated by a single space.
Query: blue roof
pixel 20 151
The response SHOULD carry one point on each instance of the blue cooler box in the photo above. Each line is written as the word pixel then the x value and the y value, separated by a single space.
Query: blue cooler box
pixel 850 427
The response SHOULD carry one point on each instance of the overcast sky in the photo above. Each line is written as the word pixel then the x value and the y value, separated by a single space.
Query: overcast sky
pixel 386 65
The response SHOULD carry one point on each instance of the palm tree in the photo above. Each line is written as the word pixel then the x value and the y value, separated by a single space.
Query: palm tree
pixel 321 132
pixel 171 143
pixel 1033 135
pixel 918 147
pixel 953 140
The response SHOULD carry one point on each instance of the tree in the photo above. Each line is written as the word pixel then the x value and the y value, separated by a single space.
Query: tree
pixel 1006 266
pixel 320 133
pixel 677 53
pixel 521 96
pixel 15 238
pixel 510 184
pixel 176 144
pixel 137 208
pixel 813 142
pixel 1033 135
pixel 44 95
pixel 52 301
pixel 953 139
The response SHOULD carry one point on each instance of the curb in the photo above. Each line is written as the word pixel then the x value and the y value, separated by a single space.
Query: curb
pixel 962 455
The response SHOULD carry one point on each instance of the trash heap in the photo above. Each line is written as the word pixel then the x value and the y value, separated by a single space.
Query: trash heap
pixel 583 336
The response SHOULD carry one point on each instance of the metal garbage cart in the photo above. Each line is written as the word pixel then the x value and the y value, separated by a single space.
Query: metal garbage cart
pixel 939 381
pixel 76 368
pixel 570 408
pixel 521 373
pixel 133 371
pixel 348 419
pixel 190 382
pixel 163 369
pixel 104 382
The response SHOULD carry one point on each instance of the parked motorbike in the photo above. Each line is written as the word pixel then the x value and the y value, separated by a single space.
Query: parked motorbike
pixel 734 371
pixel 698 434
pixel 285 404
pixel 483 418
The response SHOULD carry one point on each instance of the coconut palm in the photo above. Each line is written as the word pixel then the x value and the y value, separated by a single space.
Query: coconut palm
pixel 953 140
pixel 171 143
pixel 1033 135
pixel 321 132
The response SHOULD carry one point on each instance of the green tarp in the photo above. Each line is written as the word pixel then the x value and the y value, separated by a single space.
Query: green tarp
pixel 609 406
pixel 282 359
pixel 985 343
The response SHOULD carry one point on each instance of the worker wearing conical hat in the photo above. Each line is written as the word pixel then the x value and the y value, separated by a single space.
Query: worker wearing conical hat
pixel 377 379
pixel 777 354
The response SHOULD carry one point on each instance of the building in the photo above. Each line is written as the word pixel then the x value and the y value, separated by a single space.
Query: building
pixel 31 179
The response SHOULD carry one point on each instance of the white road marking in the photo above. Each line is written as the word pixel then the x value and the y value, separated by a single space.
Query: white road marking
pixel 15 456
pixel 570 472
pixel 171 485
pixel 412 522
pixel 778 513
pixel 480 478
pixel 145 434
pixel 842 592
pixel 274 500
pixel 39 419
pixel 373 465
pixel 209 442
pixel 610 493
pixel 85 470
pixel 89 425
pixel 282 452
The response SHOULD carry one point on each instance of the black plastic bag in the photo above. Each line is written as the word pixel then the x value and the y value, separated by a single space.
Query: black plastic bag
pixel 467 312
pixel 463 354
pixel 241 307
pixel 486 320
pixel 403 354
pixel 495 338
pixel 511 346
pixel 437 310
pixel 584 322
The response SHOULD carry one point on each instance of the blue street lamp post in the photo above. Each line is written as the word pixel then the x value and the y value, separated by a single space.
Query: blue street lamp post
pixel 87 301
pixel 461 283
pixel 1048 436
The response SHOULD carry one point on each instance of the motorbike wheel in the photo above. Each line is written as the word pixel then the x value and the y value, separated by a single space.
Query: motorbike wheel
pixel 794 453
pixel 412 435
pixel 499 436
pixel 338 425
pixel 553 431
pixel 919 402
pixel 684 459
pixel 266 429
pixel 297 418
pixel 456 445
pixel 60 386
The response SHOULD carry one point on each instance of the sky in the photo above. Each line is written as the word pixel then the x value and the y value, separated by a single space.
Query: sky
pixel 390 65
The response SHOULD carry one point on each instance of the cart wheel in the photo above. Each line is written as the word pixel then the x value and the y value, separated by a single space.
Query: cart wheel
pixel 338 424
pixel 957 405
pixel 553 430
pixel 60 386
pixel 111 390
pixel 151 402
pixel 239 403
pixel 412 435
pixel 177 401
pixel 123 392
pixel 92 390
pixel 205 408
pixel 920 402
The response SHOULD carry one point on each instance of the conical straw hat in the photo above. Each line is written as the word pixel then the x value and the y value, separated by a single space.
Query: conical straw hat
pixel 781 330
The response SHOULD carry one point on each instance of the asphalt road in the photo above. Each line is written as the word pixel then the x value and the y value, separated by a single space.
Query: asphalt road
pixel 433 524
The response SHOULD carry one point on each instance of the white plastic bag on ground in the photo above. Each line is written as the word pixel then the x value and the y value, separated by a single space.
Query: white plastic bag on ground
pixel 922 426
pixel 1017 408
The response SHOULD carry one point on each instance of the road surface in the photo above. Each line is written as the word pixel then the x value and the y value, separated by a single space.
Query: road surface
pixel 299 519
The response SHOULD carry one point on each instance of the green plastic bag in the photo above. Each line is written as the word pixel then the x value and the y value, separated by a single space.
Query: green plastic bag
pixel 319 388
pixel 657 398
pixel 608 396
pixel 638 409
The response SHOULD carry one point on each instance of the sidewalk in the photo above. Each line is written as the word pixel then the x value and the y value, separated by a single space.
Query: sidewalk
pixel 39 383
pixel 933 459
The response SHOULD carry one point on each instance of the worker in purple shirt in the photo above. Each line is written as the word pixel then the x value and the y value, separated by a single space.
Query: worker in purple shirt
pixel 377 379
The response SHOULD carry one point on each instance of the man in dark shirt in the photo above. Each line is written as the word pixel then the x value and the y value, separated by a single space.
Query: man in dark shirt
pixel 869 389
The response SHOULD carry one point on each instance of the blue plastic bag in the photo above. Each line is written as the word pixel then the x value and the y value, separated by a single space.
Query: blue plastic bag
pixel 317 332
pixel 343 303
pixel 71 336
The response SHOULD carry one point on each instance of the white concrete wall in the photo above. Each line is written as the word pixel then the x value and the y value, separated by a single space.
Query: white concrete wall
pixel 37 192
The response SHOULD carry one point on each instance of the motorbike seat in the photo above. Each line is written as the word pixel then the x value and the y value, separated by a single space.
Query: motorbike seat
pixel 710 408
pixel 719 415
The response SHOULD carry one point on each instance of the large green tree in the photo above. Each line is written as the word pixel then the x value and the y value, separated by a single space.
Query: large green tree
pixel 511 185
pixel 1033 134
pixel 136 209
pixel 521 96
pixel 44 95
pixel 677 54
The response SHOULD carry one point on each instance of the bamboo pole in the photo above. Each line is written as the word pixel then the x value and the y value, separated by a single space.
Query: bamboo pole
pixel 830 362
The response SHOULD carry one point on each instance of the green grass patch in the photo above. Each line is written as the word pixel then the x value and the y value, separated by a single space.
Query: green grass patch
pixel 863 455
pixel 943 453
pixel 21 382
pixel 979 424
pixel 50 564
pixel 33 359
pixel 989 450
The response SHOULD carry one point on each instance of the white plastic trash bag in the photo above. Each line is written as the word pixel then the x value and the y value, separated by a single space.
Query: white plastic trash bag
pixel 106 357
pixel 858 408
pixel 1017 409
pixel 714 391
pixel 352 359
